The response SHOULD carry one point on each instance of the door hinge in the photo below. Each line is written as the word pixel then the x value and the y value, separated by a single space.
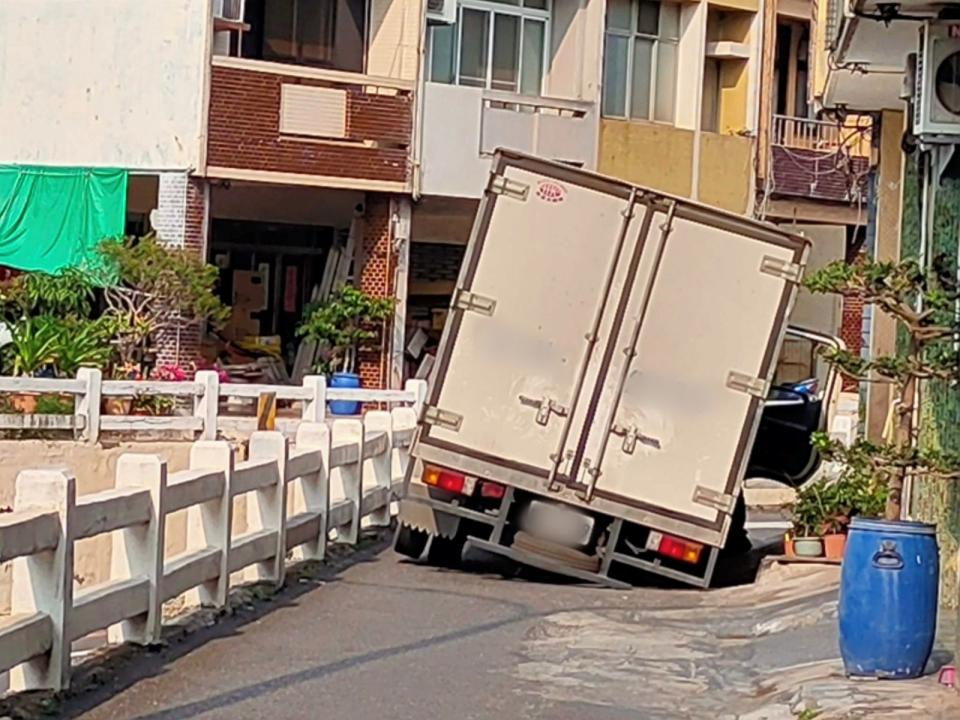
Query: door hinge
pixel 783 269
pixel 545 406
pixel 631 436
pixel 466 300
pixel 442 418
pixel 510 188
pixel 713 499
pixel 741 382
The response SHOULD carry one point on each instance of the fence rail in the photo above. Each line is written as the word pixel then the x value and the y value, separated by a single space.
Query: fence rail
pixel 297 495
pixel 809 134
pixel 206 391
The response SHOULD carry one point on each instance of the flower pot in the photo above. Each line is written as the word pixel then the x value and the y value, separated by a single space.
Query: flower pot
pixel 788 548
pixel 117 406
pixel 25 403
pixel 833 545
pixel 808 547
pixel 889 585
pixel 344 381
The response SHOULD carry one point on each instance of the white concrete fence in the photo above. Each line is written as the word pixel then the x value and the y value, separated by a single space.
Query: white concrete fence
pixel 205 391
pixel 327 482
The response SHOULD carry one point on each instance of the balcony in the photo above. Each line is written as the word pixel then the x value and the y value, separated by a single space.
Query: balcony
pixel 293 124
pixel 462 126
pixel 820 160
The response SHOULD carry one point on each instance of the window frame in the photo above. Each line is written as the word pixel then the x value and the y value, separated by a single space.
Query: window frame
pixel 492 8
pixel 631 36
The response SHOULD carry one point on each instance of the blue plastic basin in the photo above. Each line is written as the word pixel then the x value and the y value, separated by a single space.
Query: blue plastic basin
pixel 343 381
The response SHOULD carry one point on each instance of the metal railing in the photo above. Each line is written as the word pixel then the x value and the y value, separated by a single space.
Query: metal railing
pixel 854 134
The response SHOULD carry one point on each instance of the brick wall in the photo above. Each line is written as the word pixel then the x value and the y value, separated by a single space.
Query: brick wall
pixel 434 262
pixel 375 276
pixel 184 205
pixel 818 175
pixel 851 332
pixel 244 129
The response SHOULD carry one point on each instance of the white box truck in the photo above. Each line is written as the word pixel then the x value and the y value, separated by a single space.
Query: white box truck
pixel 601 379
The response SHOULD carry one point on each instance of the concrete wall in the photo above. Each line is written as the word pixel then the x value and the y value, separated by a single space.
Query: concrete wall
pixel 95 470
pixel 726 171
pixel 650 154
pixel 104 83
pixel 394 39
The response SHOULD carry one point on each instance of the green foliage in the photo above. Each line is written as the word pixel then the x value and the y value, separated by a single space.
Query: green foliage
pixel 175 277
pixel 84 343
pixel 344 323
pixel 33 345
pixel 69 294
pixel 54 405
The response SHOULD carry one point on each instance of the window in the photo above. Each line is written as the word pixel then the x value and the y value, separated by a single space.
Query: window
pixel 323 33
pixel 496 44
pixel 640 59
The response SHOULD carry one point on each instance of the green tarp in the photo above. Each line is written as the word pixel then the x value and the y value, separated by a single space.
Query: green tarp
pixel 54 218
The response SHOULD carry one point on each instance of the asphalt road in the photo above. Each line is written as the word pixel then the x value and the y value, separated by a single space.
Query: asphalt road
pixel 376 636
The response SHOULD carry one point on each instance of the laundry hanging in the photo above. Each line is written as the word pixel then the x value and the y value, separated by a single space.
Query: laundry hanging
pixel 52 218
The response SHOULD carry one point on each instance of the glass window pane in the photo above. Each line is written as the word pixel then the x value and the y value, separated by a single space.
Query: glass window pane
pixel 535 4
pixel 666 86
pixel 640 86
pixel 615 76
pixel 506 52
pixel 648 20
pixel 473 47
pixel 619 14
pixel 670 21
pixel 315 30
pixel 531 80
pixel 709 113
pixel 278 30
pixel 442 39
pixel 507 2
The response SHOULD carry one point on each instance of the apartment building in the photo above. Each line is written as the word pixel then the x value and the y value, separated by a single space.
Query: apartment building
pixel 297 142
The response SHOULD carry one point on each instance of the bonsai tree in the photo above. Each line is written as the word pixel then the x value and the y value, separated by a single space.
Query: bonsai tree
pixel 150 288
pixel 343 325
pixel 924 305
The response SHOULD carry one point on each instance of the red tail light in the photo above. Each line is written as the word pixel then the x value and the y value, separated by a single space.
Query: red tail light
pixel 678 549
pixel 489 489
pixel 445 479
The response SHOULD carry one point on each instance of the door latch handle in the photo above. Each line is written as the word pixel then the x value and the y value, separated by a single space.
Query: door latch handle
pixel 566 460
pixel 631 436
pixel 544 406
pixel 593 473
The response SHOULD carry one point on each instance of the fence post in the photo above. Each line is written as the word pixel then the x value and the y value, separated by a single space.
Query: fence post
pixel 207 406
pixel 138 550
pixel 209 524
pixel 404 419
pixel 380 466
pixel 267 507
pixel 316 488
pixel 44 582
pixel 315 408
pixel 87 405
pixel 346 481
pixel 419 390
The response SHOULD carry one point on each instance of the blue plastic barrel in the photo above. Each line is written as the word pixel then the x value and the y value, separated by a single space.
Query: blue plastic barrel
pixel 344 381
pixel 888 598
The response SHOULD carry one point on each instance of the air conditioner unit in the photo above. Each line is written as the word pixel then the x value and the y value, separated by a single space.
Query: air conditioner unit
pixel 442 11
pixel 228 10
pixel 936 106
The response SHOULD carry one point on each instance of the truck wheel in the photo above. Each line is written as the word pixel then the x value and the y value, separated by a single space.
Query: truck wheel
pixel 410 541
pixel 554 551
pixel 446 552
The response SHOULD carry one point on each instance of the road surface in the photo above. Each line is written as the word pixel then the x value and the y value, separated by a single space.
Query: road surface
pixel 379 637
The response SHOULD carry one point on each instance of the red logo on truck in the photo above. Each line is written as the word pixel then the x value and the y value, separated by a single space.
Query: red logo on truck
pixel 550 191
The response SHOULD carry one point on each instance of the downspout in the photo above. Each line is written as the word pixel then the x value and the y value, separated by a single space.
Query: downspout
pixel 418 103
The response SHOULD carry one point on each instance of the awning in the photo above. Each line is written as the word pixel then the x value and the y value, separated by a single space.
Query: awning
pixel 53 218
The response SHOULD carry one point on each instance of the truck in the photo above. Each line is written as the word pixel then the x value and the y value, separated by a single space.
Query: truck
pixel 607 365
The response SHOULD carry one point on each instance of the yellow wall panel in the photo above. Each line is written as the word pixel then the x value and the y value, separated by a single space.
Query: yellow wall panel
pixel 657 156
pixel 726 168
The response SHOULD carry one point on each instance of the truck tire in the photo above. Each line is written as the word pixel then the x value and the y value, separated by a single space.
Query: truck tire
pixel 446 552
pixel 554 551
pixel 410 541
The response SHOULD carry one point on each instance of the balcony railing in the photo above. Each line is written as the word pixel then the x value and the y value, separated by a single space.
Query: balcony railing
pixel 854 135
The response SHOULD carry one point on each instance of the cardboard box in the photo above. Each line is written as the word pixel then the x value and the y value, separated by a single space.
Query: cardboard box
pixel 249 291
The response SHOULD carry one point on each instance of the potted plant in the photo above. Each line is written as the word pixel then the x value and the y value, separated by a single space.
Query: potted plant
pixel 808 516
pixel 33 342
pixel 890 578
pixel 343 326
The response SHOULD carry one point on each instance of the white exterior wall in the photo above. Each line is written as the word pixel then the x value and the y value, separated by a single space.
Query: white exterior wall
pixel 103 83
pixel 394 39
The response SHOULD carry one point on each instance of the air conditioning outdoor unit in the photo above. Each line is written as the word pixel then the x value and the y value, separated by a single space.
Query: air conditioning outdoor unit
pixel 936 106
pixel 228 10
pixel 442 11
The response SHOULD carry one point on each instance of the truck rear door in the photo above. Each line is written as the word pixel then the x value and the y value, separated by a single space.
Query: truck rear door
pixel 609 346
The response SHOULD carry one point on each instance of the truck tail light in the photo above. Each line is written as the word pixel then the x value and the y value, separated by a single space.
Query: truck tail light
pixel 678 549
pixel 492 490
pixel 444 479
